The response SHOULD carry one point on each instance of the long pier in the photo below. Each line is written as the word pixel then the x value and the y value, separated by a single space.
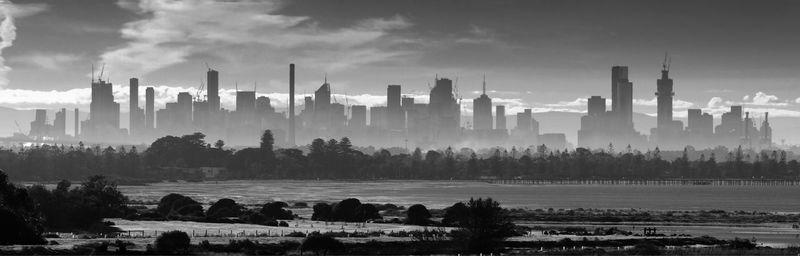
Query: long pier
pixel 650 182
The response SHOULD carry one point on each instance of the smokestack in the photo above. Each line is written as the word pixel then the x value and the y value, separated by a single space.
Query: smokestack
pixel 291 105
pixel 77 123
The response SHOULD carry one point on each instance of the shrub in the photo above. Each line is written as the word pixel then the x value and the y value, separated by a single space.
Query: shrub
pixel 366 212
pixel 456 215
pixel 275 210
pixel 224 208
pixel 346 210
pixel 180 205
pixel 175 242
pixel 418 215
pixel 321 244
pixel 322 212
pixel 15 230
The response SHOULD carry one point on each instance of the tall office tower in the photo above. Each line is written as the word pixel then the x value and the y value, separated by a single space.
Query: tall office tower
pixel 133 111
pixel 482 111
pixel 377 117
pixel 322 105
pixel 307 115
pixel 291 138
pixel 407 102
pixel 617 73
pixel 444 110
pixel 212 79
pixel 664 93
pixel 246 102
pixel 183 111
pixel 700 123
pixel 358 117
pixel 308 104
pixel 60 124
pixel 77 129
pixel 39 125
pixel 622 96
pixel 396 118
pixel 103 120
pixel 524 120
pixel 597 106
pixel 766 132
pixel 149 105
pixel 264 106
pixel 500 112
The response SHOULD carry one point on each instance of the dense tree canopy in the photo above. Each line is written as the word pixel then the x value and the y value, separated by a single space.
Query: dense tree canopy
pixel 332 159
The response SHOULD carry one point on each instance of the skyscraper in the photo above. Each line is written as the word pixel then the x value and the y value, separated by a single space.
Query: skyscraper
pixel 134 118
pixel 212 77
pixel 396 119
pixel 291 138
pixel 77 129
pixel 482 111
pixel 149 105
pixel 60 124
pixel 444 110
pixel 322 104
pixel 358 117
pixel 622 96
pixel 597 106
pixel 103 120
pixel 664 93
pixel 500 112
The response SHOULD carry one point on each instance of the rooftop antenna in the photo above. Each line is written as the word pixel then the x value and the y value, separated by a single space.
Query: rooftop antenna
pixel 208 67
pixel 237 86
pixel 255 86
pixel 101 72
pixel 326 78
pixel 484 83
pixel 92 72
pixel 664 65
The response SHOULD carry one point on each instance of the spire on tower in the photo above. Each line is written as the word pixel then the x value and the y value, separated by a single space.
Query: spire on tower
pixel 484 84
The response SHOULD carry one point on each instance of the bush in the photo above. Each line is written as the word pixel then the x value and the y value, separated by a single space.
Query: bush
pixel 322 212
pixel 645 248
pixel 456 215
pixel 367 212
pixel 173 242
pixel 418 215
pixel 15 230
pixel 300 205
pixel 346 210
pixel 321 244
pixel 224 208
pixel 179 205
pixel 485 225
pixel 275 210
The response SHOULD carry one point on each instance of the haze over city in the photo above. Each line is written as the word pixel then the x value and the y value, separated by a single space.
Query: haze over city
pixel 552 58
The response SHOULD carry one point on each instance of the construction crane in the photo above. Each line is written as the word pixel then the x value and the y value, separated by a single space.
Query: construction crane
pixel 18 128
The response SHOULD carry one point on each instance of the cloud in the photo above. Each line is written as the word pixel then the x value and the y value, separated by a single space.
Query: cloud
pixel 714 102
pixel 49 61
pixel 676 103
pixel 8 33
pixel 175 30
pixel 797 101
pixel 579 102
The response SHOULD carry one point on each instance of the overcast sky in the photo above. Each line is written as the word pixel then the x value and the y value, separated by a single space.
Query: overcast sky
pixel 548 55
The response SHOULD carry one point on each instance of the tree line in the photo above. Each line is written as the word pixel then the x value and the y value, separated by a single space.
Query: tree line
pixel 339 159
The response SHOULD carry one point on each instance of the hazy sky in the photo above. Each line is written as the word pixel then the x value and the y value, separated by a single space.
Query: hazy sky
pixel 549 55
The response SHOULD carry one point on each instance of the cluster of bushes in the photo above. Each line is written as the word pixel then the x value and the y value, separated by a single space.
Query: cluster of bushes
pixel 350 210
pixel 26 213
pixel 179 207
pixel 633 215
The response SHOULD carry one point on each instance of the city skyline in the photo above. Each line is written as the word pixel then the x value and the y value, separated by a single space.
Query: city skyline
pixel 521 83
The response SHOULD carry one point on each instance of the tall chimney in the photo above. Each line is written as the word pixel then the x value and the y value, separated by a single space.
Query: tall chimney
pixel 291 106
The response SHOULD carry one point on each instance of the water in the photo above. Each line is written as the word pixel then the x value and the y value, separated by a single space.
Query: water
pixel 440 194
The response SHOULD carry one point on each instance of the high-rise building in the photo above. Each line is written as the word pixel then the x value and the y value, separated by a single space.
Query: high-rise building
pixel 396 119
pixel 149 105
pixel 246 102
pixel 597 106
pixel 699 123
pixel 444 112
pixel 77 129
pixel 39 126
pixel 60 124
pixel 292 123
pixel 766 133
pixel 103 120
pixel 358 117
pixel 618 73
pixel 524 120
pixel 482 111
pixel 500 112
pixel 212 78
pixel 134 120
pixel 377 117
pixel 664 96
pixel 622 96
pixel 322 105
